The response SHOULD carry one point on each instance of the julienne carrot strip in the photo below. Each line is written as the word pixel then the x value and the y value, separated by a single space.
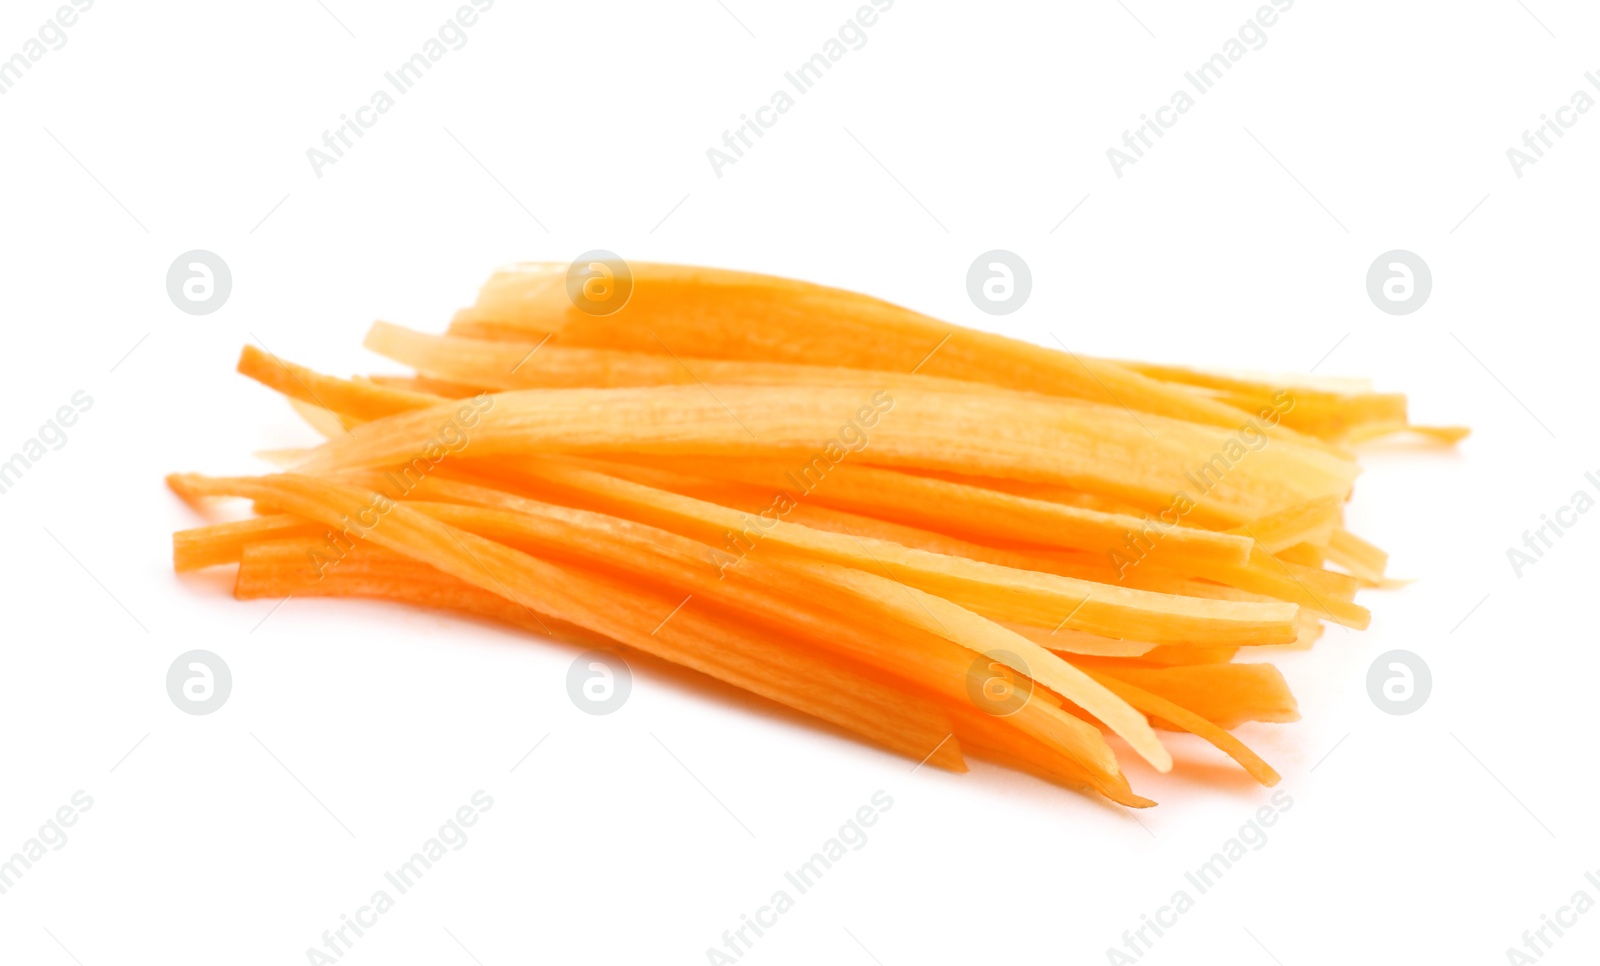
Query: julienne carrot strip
pixel 400 414
pixel 1308 555
pixel 1004 515
pixel 942 541
pixel 1070 642
pixel 340 395
pixel 423 384
pixel 1328 408
pixel 1084 445
pixel 276 569
pixel 1348 415
pixel 1265 579
pixel 367 402
pixel 959 509
pixel 936 663
pixel 1226 694
pixel 224 543
pixel 1060 638
pixel 927 612
pixel 1040 664
pixel 1447 435
pixel 540 365
pixel 1172 656
pixel 799 505
pixel 1333 388
pixel 737 315
pixel 1074 564
pixel 1004 593
pixel 1194 724
pixel 1266 575
pixel 986 736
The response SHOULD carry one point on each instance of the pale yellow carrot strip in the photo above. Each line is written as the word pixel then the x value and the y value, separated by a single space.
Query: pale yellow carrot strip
pixel 1075 444
pixel 1448 435
pixel 501 365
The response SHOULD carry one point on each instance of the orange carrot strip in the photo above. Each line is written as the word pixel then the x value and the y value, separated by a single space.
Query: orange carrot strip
pixel 871 621
pixel 722 314
pixel 1002 593
pixel 222 543
pixel 1194 724
pixel 970 512
pixel 1226 694
pixel 340 395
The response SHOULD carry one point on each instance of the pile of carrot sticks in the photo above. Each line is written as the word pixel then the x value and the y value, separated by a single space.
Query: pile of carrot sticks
pixel 944 541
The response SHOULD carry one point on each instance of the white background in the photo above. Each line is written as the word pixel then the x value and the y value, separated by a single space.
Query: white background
pixel 1242 240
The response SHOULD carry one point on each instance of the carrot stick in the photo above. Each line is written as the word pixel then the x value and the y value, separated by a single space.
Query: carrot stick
pixel 1195 725
pixel 971 512
pixel 1002 593
pixel 223 543
pixel 836 618
pixel 1225 694
pixel 737 315
pixel 501 365
pixel 340 395
pixel 1082 445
